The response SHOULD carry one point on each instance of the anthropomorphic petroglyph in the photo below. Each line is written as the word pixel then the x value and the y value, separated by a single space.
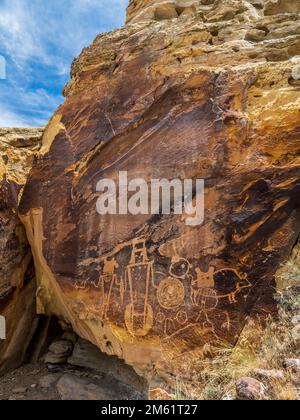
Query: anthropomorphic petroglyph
pixel 139 277
pixel 171 324
pixel 106 283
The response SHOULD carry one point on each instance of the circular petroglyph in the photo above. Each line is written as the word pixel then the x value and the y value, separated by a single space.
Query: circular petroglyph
pixel 208 299
pixel 182 317
pixel 138 323
pixel 170 293
pixel 180 268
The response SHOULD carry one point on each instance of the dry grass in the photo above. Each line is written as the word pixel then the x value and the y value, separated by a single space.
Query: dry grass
pixel 261 346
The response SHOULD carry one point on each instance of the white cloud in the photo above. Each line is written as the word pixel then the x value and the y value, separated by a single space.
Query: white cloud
pixel 39 39
pixel 48 30
pixel 11 119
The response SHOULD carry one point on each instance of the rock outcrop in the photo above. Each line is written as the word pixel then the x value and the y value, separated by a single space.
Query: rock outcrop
pixel 208 10
pixel 209 92
pixel 17 284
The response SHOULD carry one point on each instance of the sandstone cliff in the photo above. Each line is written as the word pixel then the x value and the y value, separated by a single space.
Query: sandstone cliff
pixel 17 284
pixel 187 89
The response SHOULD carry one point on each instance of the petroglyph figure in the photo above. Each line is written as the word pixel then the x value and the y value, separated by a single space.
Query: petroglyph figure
pixel 139 277
pixel 107 281
pixel 81 284
pixel 214 285
pixel 204 281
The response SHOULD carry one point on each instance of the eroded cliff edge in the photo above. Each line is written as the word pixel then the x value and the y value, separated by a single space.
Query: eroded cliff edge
pixel 210 94
pixel 17 280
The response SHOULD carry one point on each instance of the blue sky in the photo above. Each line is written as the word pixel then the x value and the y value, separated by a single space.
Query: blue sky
pixel 38 40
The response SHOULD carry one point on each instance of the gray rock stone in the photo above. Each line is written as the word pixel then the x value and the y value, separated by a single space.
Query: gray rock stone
pixel 292 364
pixel 250 389
pixel 59 351
pixel 268 375
pixel 74 388
pixel 54 368
pixel 19 390
pixel 48 381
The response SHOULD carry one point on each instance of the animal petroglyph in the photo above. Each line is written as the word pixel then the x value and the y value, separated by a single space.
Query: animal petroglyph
pixel 107 282
pixel 171 324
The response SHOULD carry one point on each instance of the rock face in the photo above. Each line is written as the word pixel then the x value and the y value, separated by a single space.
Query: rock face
pixel 250 389
pixel 211 94
pixel 208 10
pixel 17 284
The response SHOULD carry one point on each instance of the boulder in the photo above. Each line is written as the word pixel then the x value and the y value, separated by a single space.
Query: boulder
pixel 59 351
pixel 88 356
pixel 75 388
pixel 48 381
pixel 292 364
pixel 250 389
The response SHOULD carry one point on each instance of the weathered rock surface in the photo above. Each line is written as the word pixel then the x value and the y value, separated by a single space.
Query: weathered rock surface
pixel 199 96
pixel 88 356
pixel 74 388
pixel 208 10
pixel 17 283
